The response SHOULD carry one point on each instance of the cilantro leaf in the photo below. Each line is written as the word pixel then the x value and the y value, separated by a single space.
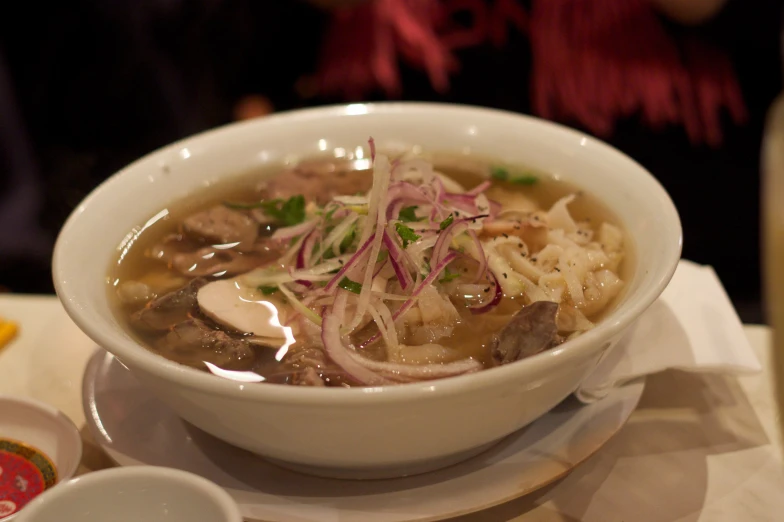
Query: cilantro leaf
pixel 286 212
pixel 268 290
pixel 448 221
pixel 448 276
pixel 407 234
pixel 351 286
pixel 408 214
pixel 382 256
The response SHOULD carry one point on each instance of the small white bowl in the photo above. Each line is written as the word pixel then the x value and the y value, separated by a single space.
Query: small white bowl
pixel 41 447
pixel 148 493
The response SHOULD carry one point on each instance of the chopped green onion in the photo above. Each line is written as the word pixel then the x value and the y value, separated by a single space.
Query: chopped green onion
pixel 525 180
pixel 502 174
pixel 408 214
pixel 499 173
pixel 268 290
pixel 445 223
pixel 348 239
pixel 351 286
pixel 407 234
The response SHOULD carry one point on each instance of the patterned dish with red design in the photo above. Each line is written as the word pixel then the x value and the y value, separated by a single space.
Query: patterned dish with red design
pixel 25 472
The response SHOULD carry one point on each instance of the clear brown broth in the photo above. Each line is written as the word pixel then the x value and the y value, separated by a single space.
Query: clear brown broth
pixel 471 338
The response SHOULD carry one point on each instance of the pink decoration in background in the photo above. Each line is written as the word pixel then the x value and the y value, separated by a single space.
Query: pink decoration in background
pixel 594 62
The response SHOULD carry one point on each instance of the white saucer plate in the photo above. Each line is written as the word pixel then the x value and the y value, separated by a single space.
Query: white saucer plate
pixel 135 428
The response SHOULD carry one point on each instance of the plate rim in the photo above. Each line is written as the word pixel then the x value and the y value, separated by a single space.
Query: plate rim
pixel 103 357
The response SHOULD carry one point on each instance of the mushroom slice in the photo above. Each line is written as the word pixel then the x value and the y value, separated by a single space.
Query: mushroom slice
pixel 229 303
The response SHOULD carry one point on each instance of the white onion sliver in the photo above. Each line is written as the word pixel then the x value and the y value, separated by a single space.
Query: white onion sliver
pixel 420 371
pixel 339 352
pixel 382 172
pixel 336 235
pixel 298 306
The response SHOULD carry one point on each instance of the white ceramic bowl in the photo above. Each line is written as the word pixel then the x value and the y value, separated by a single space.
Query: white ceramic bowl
pixel 373 432
pixel 147 493
pixel 44 439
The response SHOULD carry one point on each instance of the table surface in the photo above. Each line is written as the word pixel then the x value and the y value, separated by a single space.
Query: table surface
pixel 700 447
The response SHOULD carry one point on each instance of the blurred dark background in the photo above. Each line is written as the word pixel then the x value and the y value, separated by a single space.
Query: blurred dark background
pixel 88 86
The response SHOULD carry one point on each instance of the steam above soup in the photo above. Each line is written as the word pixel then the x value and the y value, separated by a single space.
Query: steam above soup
pixel 324 276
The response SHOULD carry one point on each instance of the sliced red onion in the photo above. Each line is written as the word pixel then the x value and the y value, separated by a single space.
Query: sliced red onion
pixel 445 239
pixel 499 294
pixel 396 258
pixel 342 355
pixel 350 264
pixel 379 269
pixel 457 227
pixel 306 250
pixel 479 188
pixel 303 255
pixel 419 371
pixel 434 273
pixel 464 202
pixel 372 145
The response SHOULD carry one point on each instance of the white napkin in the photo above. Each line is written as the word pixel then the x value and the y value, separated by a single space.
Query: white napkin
pixel 692 326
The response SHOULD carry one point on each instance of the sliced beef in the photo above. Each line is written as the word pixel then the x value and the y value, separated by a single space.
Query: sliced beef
pixel 308 377
pixel 309 367
pixel 192 258
pixel 531 330
pixel 194 341
pixel 319 182
pixel 169 309
pixel 222 225
pixel 210 261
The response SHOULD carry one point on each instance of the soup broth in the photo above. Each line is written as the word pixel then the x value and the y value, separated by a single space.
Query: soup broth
pixel 473 315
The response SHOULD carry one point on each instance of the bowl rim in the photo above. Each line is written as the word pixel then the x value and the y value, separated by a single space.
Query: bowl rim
pixel 71 440
pixel 620 318
pixel 118 475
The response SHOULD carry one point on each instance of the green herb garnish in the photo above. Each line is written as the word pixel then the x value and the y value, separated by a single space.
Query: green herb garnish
pixel 524 180
pixel 448 276
pixel 499 173
pixel 382 256
pixel 502 174
pixel 348 239
pixel 330 213
pixel 268 290
pixel 351 286
pixel 286 212
pixel 445 223
pixel 407 234
pixel 408 214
